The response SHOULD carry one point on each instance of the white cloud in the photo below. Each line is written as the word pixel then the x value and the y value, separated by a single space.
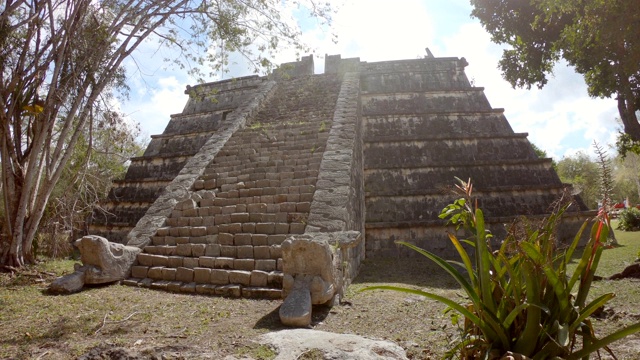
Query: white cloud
pixel 162 99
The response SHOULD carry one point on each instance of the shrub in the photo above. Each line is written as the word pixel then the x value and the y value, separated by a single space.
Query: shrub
pixel 520 298
pixel 629 220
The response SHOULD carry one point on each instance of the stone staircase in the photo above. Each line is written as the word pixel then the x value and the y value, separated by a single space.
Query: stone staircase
pixel 149 174
pixel 226 239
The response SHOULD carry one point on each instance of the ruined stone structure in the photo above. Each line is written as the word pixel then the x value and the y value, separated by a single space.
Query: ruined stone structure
pixel 265 186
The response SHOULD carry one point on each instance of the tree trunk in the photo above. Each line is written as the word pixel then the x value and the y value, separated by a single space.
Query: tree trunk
pixel 627 111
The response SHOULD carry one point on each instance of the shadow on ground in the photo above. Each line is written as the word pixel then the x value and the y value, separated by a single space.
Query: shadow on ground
pixel 414 271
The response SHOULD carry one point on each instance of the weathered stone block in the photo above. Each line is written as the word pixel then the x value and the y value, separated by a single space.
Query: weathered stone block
pixel 262 252
pixel 139 271
pixel 160 260
pixel 157 240
pixel 174 286
pixel 152 249
pixel 249 227
pixel 265 265
pixel 205 289
pixel 169 274
pixel 276 239
pixel 198 231
pixel 303 207
pixel 244 252
pixel 196 220
pixel 239 217
pixel 244 264
pixel 184 275
pixel 265 228
pixel 224 263
pixel 282 228
pixel 201 275
pixel 275 279
pixel 183 249
pixel 212 250
pixel 189 288
pixel 159 285
pixel 219 277
pixel 163 231
pixel 259 239
pixel 242 239
pixel 275 251
pixel 155 273
pixel 259 278
pixel 234 228
pixel 174 261
pixel 228 251
pixel 145 259
pixel 229 290
pixel 184 231
pixel 190 262
pixel 257 208
pixel 225 238
pixel 182 240
pixel 207 261
pixel 198 240
pixel 189 213
pixel 240 277
pixel 198 250
pixel 297 228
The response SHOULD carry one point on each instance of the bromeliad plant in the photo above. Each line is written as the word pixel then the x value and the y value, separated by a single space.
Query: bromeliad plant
pixel 521 299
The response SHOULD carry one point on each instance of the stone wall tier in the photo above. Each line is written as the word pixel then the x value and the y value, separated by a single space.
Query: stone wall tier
pixel 428 207
pixel 419 153
pixel 484 175
pixel 437 125
pixel 412 103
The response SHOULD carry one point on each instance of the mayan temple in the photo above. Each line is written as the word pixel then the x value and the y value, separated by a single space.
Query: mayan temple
pixel 264 182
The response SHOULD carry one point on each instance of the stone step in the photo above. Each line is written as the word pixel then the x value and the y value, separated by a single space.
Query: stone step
pixel 204 255
pixel 272 171
pixel 245 172
pixel 230 290
pixel 240 168
pixel 169 236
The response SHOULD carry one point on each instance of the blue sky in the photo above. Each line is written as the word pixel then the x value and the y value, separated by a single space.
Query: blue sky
pixel 560 119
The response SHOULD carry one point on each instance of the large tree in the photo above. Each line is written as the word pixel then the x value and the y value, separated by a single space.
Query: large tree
pixel 59 58
pixel 601 39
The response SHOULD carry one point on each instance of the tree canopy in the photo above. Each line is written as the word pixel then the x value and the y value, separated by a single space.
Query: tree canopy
pixel 59 61
pixel 601 39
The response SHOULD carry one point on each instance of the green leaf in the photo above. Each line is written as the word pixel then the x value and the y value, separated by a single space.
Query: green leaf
pixel 599 344
pixel 590 309
pixel 448 268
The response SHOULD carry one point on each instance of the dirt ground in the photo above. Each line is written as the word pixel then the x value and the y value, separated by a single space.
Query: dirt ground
pixel 121 322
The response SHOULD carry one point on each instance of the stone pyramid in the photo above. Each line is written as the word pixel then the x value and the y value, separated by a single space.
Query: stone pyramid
pixel 360 155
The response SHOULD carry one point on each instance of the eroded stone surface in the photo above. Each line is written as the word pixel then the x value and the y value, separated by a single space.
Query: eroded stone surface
pixel 291 344
pixel 295 311
pixel 67 284
pixel 105 261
